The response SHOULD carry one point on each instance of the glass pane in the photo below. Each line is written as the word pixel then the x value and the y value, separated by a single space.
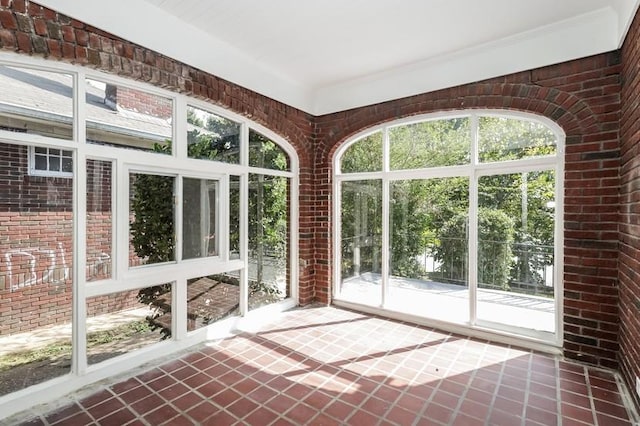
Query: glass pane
pixel 36 226
pixel 265 153
pixel 121 323
pixel 37 102
pixel 128 118
pixel 502 139
pixel 212 298
pixel 199 218
pixel 55 152
pixel 67 165
pixel 99 220
pixel 361 240
pixel 429 248
pixel 515 249
pixel 430 144
pixel 269 277
pixel 41 162
pixel 40 150
pixel 234 217
pixel 54 164
pixel 151 214
pixel 211 137
pixel 364 155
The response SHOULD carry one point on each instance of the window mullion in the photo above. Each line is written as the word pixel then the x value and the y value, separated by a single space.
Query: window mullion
pixel 244 242
pixel 180 144
pixel 472 273
pixel 337 237
pixel 79 311
pixel 386 238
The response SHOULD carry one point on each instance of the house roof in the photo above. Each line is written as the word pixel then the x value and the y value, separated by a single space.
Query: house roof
pixel 332 55
pixel 48 97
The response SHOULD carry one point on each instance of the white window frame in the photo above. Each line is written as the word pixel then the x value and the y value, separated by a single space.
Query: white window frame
pixel 549 342
pixel 48 173
pixel 123 278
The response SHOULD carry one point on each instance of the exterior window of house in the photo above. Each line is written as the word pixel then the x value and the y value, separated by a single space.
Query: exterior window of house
pixel 50 162
pixel 454 218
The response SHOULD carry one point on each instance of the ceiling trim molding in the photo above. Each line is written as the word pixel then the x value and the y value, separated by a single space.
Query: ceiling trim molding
pixel 585 35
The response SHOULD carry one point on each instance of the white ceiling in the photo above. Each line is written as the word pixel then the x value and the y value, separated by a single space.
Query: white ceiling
pixel 330 55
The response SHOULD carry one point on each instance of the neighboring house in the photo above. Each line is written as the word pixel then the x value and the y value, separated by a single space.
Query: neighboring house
pixel 36 191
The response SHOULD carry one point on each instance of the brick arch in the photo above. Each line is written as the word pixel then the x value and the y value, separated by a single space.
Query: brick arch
pixel 582 97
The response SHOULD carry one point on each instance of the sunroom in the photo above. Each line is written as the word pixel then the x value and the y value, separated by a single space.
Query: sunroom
pixel 212 225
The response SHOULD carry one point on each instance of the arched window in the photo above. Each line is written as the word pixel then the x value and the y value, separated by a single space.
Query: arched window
pixel 454 218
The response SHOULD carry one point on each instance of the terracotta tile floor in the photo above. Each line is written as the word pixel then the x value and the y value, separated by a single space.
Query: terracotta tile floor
pixel 326 366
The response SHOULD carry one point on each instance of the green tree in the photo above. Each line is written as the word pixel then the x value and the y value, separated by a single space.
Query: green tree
pixel 152 226
pixel 434 143
pixel 212 138
pixel 495 235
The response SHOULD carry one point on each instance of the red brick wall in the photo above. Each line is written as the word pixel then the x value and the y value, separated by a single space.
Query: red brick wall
pixel 629 264
pixel 583 98
pixel 135 100
pixel 36 243
pixel 24 193
pixel 99 223
pixel 35 274
pixel 114 302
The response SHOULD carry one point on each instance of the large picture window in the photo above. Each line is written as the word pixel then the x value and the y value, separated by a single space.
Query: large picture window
pixel 455 219
pixel 133 217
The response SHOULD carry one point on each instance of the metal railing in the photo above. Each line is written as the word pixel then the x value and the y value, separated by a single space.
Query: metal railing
pixel 529 266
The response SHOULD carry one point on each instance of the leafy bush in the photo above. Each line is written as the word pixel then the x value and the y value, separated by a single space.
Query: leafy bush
pixel 496 234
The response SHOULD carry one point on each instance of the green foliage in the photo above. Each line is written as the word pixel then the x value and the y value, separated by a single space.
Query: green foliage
pixel 268 214
pixel 268 217
pixel 152 228
pixel 265 153
pixel 503 139
pixel 217 139
pixel 534 226
pixel 364 155
pixel 361 226
pixel 495 258
pixel 450 249
pixel 268 226
pixel 411 219
pixel 430 144
pixel 428 216
pixel 495 235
